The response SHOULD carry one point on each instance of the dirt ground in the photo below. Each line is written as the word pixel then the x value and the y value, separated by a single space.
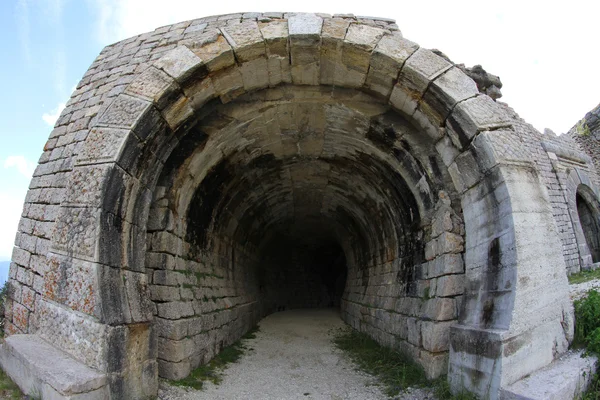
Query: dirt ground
pixel 292 357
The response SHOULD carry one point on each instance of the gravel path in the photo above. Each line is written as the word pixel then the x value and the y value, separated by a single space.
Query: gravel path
pixel 579 290
pixel 292 357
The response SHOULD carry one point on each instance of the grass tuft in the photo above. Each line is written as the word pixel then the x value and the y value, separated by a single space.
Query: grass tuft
pixel 213 371
pixel 584 276
pixel 442 391
pixel 587 334
pixel 394 370
pixel 9 389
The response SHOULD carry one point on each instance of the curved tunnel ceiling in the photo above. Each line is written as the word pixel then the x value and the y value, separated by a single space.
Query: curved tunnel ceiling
pixel 314 163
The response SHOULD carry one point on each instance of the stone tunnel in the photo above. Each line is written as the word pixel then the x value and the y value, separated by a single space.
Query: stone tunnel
pixel 212 172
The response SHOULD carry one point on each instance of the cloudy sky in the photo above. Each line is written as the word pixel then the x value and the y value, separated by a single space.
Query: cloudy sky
pixel 546 55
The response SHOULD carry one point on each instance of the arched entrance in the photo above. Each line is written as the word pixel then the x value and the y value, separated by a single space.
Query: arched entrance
pixel 589 218
pixel 242 144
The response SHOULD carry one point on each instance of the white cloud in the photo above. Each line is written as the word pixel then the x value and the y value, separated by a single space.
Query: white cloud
pixel 24 166
pixel 51 117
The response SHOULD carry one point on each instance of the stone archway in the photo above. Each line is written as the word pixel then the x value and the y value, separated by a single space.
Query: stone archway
pixel 234 131
pixel 582 204
pixel 588 218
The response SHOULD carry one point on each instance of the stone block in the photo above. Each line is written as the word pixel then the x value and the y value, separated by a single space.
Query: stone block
pixel 20 316
pixel 450 285
pixel 103 145
pixel 436 335
pixel 442 222
pixel 474 115
pixel 164 293
pixel 420 69
pixel 434 364
pixel 199 92
pixel 440 309
pixel 228 84
pixel 175 350
pixel 305 38
pixel 21 256
pixel 414 331
pixel 168 277
pixel 275 34
pixel 138 296
pixel 447 90
pixel 177 112
pixel 465 171
pixel 246 40
pixel 125 112
pixel 173 370
pixel 154 85
pixel 359 42
pixel 180 63
pixel 255 74
pixel 443 265
pixel 171 329
pixel 175 309
pixel 214 51
pixel 34 364
pixel 387 59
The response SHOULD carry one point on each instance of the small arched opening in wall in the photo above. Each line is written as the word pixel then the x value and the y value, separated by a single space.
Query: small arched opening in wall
pixel 588 211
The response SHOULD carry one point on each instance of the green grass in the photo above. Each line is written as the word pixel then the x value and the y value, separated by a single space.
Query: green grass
pixel 394 370
pixel 213 371
pixel 593 391
pixel 8 389
pixel 584 276
pixel 441 388
pixel 587 334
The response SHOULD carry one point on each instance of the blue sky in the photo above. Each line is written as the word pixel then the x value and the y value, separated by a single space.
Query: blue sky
pixel 545 55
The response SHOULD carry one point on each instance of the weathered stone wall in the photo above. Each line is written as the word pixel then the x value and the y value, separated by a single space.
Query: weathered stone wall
pixel 410 303
pixel 563 165
pixel 587 134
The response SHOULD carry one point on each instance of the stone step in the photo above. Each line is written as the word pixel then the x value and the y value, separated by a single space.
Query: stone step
pixel 43 371
pixel 564 379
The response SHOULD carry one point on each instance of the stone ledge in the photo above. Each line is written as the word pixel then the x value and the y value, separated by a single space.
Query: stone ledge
pixel 565 378
pixel 40 369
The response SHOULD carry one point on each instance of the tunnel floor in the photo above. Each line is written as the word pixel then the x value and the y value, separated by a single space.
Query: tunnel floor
pixel 292 357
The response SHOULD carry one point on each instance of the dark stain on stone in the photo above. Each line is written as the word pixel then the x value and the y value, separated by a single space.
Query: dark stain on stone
pixel 265 161
pixel 492 282
pixel 477 342
pixel 201 208
pixel 381 136
pixel 488 312
pixel 193 141
pixel 494 265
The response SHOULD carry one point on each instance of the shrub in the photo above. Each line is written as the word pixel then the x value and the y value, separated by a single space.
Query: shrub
pixel 587 322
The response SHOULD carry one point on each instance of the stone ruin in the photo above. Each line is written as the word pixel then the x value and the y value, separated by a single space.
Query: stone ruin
pixel 212 172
